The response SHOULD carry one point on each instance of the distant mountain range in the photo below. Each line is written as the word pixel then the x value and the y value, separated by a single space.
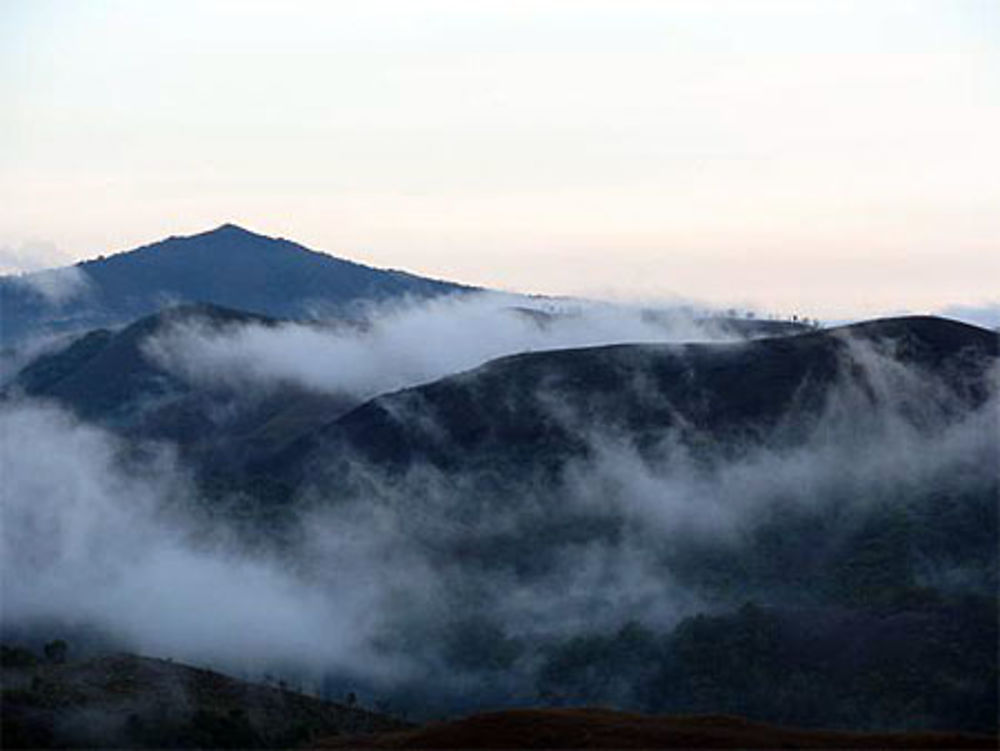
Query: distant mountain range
pixel 817 508
pixel 863 497
pixel 228 266
pixel 719 398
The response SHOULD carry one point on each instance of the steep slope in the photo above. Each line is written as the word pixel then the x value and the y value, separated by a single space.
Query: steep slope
pixel 228 266
pixel 542 408
pixel 107 377
pixel 799 530
pixel 126 701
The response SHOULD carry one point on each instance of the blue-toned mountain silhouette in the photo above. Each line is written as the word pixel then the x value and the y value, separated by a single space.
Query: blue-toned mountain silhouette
pixel 228 266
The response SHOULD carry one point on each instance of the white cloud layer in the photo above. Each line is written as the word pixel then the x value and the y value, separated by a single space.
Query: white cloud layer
pixel 411 342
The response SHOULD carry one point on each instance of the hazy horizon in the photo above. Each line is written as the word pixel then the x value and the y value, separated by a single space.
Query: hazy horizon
pixel 831 159
pixel 674 410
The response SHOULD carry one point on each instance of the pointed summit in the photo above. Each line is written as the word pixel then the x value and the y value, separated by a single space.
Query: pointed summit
pixel 228 266
pixel 231 229
pixel 227 231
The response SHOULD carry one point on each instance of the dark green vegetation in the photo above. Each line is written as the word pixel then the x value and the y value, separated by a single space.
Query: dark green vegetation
pixel 861 530
pixel 800 530
pixel 928 665
pixel 720 400
pixel 228 266
pixel 124 701
pixel 109 378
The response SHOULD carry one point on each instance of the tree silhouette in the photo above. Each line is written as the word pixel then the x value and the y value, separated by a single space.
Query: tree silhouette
pixel 55 651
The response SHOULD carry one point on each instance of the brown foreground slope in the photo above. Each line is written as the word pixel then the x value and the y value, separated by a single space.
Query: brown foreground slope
pixel 602 728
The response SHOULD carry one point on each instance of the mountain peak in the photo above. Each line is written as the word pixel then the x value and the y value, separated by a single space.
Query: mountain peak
pixel 229 229
pixel 229 266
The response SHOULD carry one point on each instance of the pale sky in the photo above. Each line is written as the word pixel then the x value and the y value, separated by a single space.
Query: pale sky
pixel 828 158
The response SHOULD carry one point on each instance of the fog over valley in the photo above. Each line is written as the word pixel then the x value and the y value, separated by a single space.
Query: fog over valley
pixel 479 500
pixel 491 375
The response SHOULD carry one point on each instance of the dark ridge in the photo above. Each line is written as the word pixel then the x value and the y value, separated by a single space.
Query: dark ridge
pixel 107 377
pixel 228 266
pixel 719 395
pixel 126 701
pixel 756 327
pixel 104 372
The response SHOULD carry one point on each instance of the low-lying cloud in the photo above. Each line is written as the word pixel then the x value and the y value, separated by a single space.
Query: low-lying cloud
pixel 387 584
pixel 403 344
pixel 56 287
pixel 90 537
